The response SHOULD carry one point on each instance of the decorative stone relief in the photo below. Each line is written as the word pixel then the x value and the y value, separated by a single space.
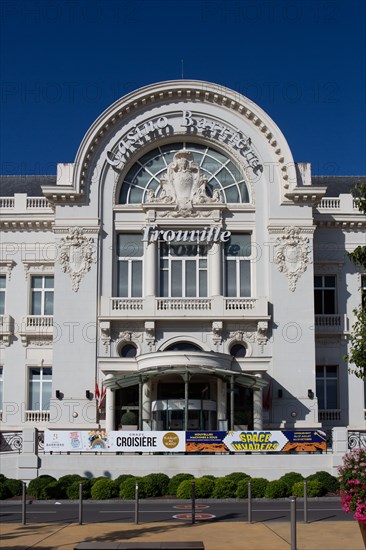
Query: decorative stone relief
pixel 38 267
pixel 76 255
pixel 6 267
pixel 184 186
pixel 150 334
pixel 292 252
pixel 217 332
pixel 105 334
pixel 262 334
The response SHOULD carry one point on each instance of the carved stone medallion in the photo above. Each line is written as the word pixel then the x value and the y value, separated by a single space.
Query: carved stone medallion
pixel 292 252
pixel 76 255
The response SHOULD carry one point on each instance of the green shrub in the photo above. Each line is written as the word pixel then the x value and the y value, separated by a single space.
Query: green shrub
pixel 155 485
pixel 95 479
pixel 2 477
pixel 4 491
pixel 242 488
pixel 259 485
pixel 122 478
pixel 314 489
pixel 52 490
pixel 236 476
pixel 184 489
pixel 15 486
pixel 73 489
pixel 330 482
pixel 128 488
pixel 37 485
pixel 276 489
pixel 224 488
pixel 103 489
pixel 204 487
pixel 210 477
pixel 175 481
pixel 290 478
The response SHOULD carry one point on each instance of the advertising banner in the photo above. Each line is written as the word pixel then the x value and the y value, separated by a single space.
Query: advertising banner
pixel 295 441
pixel 121 441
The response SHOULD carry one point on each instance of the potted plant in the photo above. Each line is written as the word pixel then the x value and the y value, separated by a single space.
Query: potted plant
pixel 128 421
pixel 352 477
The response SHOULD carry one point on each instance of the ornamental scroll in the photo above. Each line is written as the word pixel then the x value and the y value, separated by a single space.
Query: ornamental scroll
pixel 76 255
pixel 292 252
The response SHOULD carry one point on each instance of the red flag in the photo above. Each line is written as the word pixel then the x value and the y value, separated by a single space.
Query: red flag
pixel 102 396
pixel 97 392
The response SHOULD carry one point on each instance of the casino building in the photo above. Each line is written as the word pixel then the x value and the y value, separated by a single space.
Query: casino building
pixel 184 273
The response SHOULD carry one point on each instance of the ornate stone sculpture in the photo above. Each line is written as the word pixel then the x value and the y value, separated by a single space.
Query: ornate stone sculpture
pixel 292 255
pixel 76 255
pixel 183 185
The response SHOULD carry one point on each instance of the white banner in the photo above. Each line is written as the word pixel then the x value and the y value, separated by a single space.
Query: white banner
pixel 121 441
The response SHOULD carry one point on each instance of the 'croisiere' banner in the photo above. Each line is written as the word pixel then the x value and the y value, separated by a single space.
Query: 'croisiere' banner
pixel 189 442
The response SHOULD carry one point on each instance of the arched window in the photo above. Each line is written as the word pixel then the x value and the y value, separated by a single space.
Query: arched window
pixel 128 351
pixel 183 346
pixel 221 173
pixel 238 350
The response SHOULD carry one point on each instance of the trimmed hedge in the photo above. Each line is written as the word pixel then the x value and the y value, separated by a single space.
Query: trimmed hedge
pixel 73 489
pixel 15 486
pixel 37 485
pixel 4 491
pixel 224 488
pixel 176 480
pixel 314 489
pixel 122 478
pixel 330 482
pixel 242 488
pixel 290 478
pixel 103 489
pixel 52 490
pixel 276 489
pixel 128 488
pixel 259 485
pixel 236 476
pixel 155 485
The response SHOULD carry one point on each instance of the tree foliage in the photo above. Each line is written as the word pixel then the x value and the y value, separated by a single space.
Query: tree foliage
pixel 357 353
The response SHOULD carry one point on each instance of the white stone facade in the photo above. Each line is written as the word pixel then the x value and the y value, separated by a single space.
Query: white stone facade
pixel 175 263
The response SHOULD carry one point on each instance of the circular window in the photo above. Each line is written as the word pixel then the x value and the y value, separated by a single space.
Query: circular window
pixel 221 173
pixel 128 351
pixel 238 350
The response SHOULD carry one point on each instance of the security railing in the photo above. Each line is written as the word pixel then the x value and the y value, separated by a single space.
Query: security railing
pixel 183 304
pixel 329 415
pixel 37 416
pixel 357 439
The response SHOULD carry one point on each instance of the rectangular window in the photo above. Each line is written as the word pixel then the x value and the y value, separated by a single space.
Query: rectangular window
pixel 1 388
pixel 130 252
pixel 42 295
pixel 325 294
pixel 40 385
pixel 327 387
pixel 183 270
pixel 237 266
pixel 2 293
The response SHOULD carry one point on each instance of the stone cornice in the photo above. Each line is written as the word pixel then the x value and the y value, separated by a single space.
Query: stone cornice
pixel 20 223
pixel 306 195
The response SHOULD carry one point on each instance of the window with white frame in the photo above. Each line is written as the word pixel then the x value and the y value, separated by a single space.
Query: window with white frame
pixel 183 270
pixel 1 388
pixel 130 253
pixel 2 293
pixel 237 279
pixel 42 295
pixel 327 387
pixel 325 297
pixel 40 385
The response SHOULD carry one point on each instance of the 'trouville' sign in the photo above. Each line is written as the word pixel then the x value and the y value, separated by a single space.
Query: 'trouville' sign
pixel 204 235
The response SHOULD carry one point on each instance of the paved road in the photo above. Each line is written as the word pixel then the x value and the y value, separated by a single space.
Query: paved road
pixel 164 510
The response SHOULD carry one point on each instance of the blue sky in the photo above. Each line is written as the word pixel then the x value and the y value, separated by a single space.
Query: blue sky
pixel 64 61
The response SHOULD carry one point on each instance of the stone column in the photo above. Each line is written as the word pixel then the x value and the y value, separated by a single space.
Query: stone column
pixel 258 408
pixel 109 410
pixel 150 253
pixel 221 400
pixel 214 270
pixel 146 405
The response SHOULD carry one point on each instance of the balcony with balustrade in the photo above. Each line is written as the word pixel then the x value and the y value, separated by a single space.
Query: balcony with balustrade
pixel 331 324
pixel 36 327
pixel 216 307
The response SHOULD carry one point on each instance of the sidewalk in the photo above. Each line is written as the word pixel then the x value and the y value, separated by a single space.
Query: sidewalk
pixel 335 535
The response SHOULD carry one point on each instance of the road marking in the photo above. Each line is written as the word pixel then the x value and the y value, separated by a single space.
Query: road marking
pixel 197 516
pixel 189 506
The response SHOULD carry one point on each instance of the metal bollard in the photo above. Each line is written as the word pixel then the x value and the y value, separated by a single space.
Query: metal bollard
pixel 80 503
pixel 249 502
pixel 136 503
pixel 305 501
pixel 24 504
pixel 193 502
pixel 293 523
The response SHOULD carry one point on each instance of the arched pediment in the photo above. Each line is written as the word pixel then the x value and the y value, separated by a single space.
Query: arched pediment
pixel 175 110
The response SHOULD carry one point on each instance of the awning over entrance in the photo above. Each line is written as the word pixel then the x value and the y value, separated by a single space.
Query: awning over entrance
pixel 194 364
